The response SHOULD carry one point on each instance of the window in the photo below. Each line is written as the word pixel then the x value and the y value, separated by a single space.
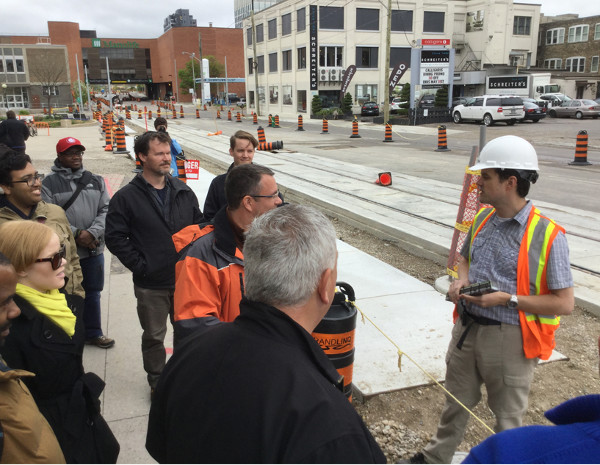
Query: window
pixel 260 36
pixel 272 28
pixel 286 60
pixel 575 64
pixel 399 55
pixel 597 32
pixel 402 20
pixel 261 65
pixel 287 95
pixel 301 19
pixel 578 33
pixel 50 90
pixel 366 57
pixel 302 58
pixel 274 94
pixel 261 94
pixel 250 67
pixel 433 21
pixel 286 24
pixel 522 26
pixel 594 65
pixel 367 19
pixel 331 17
pixel 10 65
pixel 365 93
pixel 555 36
pixel 272 62
pixel 553 63
pixel 330 56
pixel 249 36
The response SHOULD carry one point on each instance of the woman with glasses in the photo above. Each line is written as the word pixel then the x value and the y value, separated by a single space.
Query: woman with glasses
pixel 48 338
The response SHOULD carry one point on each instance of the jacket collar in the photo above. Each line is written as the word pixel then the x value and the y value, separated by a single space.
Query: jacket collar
pixel 277 326
pixel 224 233
pixel 66 172
pixel 9 212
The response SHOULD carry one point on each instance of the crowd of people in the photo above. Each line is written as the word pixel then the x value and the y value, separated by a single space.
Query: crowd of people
pixel 244 284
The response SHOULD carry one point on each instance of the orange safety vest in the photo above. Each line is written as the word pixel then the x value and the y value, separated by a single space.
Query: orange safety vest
pixel 537 330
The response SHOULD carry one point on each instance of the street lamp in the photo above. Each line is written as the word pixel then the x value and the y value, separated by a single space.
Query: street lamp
pixel 4 87
pixel 193 55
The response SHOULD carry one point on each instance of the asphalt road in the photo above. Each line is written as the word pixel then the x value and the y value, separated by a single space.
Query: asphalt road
pixel 413 149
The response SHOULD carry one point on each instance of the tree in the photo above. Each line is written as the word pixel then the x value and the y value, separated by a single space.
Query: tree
pixel 347 104
pixel 405 95
pixel 215 69
pixel 48 69
pixel 316 105
pixel 441 97
pixel 75 91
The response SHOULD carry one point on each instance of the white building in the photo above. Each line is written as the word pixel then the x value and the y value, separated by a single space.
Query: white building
pixel 489 37
pixel 243 8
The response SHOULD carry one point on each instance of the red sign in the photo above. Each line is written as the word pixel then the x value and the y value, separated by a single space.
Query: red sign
pixel 192 169
pixel 430 42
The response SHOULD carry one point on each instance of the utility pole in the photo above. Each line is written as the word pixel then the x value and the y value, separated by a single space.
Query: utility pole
pixel 255 63
pixel 194 78
pixel 226 84
pixel 176 90
pixel 87 85
pixel 386 82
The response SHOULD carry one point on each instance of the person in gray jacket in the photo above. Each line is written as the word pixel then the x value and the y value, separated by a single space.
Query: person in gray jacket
pixel 85 200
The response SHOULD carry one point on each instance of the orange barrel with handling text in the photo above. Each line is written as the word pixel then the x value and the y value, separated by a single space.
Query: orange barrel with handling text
pixel 335 334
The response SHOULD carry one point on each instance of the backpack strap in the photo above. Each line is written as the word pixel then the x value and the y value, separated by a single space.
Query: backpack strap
pixel 81 183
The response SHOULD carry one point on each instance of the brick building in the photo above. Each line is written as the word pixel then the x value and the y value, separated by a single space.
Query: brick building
pixel 569 46
pixel 153 63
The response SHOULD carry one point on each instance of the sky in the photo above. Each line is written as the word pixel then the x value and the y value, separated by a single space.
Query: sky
pixel 143 19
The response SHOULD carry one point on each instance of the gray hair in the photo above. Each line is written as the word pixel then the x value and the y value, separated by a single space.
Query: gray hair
pixel 285 253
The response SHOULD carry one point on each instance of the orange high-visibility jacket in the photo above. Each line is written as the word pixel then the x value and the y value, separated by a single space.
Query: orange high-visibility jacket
pixel 538 330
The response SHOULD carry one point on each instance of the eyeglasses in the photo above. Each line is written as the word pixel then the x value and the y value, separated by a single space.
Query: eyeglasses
pixel 79 153
pixel 276 194
pixel 56 259
pixel 31 180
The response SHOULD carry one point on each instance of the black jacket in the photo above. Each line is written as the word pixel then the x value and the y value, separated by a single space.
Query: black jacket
pixel 66 396
pixel 13 133
pixel 259 389
pixel 140 236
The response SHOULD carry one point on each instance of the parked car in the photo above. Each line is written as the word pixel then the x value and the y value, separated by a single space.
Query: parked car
pixel 577 108
pixel 555 99
pixel 427 101
pixel 459 101
pixel 490 109
pixel 369 109
pixel 533 112
pixel 396 106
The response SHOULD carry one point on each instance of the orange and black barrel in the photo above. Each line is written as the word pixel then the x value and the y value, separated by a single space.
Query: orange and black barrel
pixel 149 114
pixel 442 139
pixel 335 334
pixel 300 123
pixel 254 118
pixel 238 117
pixel 269 146
pixel 181 115
pixel 355 134
pixel 139 113
pixel 120 140
pixel 388 133
pixel 181 169
pixel 229 115
pixel 581 149
pixel 197 113
pixel 276 122
pixel 158 111
pixel 261 135
pixel 174 112
pixel 325 129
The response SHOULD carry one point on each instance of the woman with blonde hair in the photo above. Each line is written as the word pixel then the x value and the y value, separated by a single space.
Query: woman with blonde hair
pixel 48 339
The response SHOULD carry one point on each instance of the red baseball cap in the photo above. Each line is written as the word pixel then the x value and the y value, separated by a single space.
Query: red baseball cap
pixel 66 143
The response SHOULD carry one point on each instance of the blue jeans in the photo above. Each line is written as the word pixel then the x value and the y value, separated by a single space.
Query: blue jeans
pixel 93 283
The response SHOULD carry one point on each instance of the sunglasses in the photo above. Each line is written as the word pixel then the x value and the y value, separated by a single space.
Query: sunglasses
pixel 56 259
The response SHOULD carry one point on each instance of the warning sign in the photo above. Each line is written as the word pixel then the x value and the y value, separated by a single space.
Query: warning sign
pixel 192 169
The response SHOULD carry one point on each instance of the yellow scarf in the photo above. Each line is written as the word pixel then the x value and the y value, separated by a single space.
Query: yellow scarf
pixel 52 304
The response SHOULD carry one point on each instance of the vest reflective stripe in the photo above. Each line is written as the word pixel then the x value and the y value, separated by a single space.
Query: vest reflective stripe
pixel 538 330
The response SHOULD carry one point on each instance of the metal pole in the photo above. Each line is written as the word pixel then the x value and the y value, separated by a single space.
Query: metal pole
pixel 226 84
pixel 255 63
pixel 202 96
pixel 79 84
pixel 176 80
pixel 87 85
pixel 482 129
pixel 386 67
pixel 109 88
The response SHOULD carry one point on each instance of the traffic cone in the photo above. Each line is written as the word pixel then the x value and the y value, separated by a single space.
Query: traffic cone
pixel 276 125
pixel 388 133
pixel 355 134
pixel 442 140
pixel 384 179
pixel 325 129
pixel 238 118
pixel 197 113
pixel 581 150
pixel 254 118
pixel 181 111
pixel 268 146
pixel 300 123
pixel 228 115
pixel 261 135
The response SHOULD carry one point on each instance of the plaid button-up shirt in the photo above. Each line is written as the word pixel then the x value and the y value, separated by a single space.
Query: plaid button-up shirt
pixel 495 255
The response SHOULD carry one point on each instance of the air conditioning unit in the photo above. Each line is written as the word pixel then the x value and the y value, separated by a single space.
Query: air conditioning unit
pixel 334 75
pixel 323 74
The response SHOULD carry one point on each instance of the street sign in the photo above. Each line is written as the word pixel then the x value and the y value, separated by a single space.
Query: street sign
pixel 434 42
pixel 192 169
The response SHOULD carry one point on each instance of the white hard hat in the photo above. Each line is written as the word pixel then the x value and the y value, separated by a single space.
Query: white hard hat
pixel 507 152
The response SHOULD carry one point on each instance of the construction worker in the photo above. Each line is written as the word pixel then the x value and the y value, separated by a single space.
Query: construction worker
pixel 498 337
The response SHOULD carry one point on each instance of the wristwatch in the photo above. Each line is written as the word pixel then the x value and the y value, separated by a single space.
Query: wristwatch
pixel 513 302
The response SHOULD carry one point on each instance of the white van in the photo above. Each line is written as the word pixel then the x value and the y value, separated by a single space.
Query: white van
pixel 490 109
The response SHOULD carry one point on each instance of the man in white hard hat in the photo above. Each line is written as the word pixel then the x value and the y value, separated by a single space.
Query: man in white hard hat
pixel 498 337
